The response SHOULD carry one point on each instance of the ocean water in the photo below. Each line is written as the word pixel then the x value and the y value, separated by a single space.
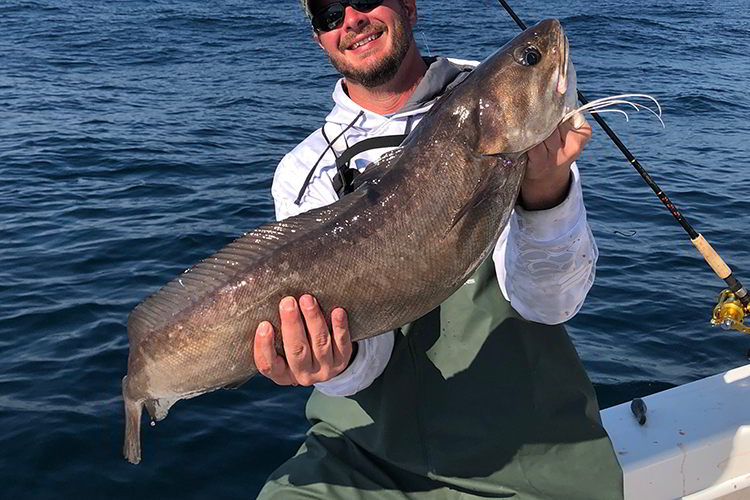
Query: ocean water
pixel 138 137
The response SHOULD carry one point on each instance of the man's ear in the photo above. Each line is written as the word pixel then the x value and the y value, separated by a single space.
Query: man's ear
pixel 316 37
pixel 410 8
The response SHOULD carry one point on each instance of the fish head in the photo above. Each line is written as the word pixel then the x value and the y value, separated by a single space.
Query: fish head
pixel 527 86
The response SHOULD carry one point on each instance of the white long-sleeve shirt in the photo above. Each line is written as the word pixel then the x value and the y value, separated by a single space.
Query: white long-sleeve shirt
pixel 545 260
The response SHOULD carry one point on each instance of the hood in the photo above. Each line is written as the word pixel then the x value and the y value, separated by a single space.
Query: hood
pixel 442 75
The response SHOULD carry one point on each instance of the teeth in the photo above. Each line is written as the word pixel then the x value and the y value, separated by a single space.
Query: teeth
pixel 366 40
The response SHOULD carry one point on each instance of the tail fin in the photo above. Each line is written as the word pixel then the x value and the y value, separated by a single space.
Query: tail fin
pixel 132 447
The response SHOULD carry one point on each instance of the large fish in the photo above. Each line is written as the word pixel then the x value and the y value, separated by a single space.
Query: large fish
pixel 418 224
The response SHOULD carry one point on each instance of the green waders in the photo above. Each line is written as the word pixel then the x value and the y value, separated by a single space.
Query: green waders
pixel 475 402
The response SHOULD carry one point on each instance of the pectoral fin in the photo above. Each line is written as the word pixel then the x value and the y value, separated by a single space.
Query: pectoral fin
pixel 482 191
pixel 488 187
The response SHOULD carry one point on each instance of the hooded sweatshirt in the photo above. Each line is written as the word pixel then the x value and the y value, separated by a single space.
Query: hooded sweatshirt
pixel 545 260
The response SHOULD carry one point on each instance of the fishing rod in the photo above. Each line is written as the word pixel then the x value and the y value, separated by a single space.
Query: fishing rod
pixel 734 302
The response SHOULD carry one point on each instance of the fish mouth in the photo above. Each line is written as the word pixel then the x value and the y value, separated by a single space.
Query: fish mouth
pixel 562 80
pixel 567 81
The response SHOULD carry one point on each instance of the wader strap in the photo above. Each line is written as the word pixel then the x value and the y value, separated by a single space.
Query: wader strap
pixel 342 162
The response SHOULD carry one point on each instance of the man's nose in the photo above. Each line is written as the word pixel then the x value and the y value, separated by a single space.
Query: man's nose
pixel 354 19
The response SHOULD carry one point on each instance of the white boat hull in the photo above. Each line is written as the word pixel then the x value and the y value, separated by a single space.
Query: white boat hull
pixel 694 445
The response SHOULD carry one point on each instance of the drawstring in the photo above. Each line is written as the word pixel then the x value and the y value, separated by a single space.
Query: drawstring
pixel 342 166
pixel 330 146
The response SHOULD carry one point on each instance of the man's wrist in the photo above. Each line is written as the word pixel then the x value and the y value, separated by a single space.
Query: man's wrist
pixel 553 223
pixel 543 194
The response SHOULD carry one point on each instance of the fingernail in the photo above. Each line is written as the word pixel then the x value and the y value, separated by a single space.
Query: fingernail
pixel 289 304
pixel 262 330
pixel 577 120
pixel 307 301
pixel 338 315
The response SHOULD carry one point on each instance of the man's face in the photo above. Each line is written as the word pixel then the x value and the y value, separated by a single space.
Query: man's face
pixel 369 47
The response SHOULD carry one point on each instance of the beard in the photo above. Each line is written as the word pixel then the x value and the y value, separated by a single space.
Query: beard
pixel 384 70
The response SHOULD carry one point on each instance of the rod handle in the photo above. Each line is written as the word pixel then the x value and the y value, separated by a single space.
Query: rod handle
pixel 714 260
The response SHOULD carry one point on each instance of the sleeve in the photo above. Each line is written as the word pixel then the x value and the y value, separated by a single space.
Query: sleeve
pixel 372 357
pixel 545 260
pixel 374 353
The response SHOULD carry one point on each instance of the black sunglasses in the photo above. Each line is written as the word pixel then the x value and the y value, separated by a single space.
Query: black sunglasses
pixel 331 16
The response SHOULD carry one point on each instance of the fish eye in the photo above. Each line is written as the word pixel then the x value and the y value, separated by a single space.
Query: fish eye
pixel 531 56
pixel 528 56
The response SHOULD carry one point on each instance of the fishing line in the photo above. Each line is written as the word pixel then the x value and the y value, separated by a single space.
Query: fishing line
pixel 424 38
pixel 629 234
pixel 722 270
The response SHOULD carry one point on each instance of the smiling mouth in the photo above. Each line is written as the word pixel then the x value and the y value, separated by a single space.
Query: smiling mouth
pixel 364 41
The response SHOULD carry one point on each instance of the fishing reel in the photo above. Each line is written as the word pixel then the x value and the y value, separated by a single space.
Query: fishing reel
pixel 730 312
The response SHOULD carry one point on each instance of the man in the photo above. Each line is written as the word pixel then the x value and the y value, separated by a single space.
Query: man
pixel 482 397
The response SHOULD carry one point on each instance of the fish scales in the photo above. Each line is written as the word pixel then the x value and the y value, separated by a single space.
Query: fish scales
pixel 415 228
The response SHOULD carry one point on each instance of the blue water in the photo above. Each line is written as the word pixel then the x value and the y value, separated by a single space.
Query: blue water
pixel 138 137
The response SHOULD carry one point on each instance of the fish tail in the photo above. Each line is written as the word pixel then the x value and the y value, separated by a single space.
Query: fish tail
pixel 133 407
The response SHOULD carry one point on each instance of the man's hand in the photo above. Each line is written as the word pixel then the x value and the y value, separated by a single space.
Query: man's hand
pixel 547 179
pixel 312 354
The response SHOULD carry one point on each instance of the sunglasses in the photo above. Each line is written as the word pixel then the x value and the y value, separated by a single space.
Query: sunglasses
pixel 331 16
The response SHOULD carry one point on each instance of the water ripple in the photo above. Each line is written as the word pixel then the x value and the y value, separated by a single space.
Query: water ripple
pixel 138 137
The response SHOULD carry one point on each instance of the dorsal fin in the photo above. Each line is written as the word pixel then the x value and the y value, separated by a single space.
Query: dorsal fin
pixel 227 266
